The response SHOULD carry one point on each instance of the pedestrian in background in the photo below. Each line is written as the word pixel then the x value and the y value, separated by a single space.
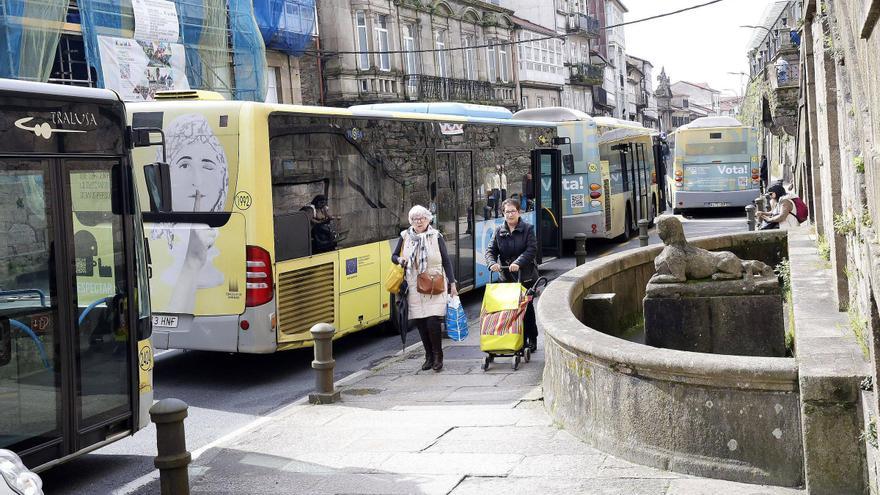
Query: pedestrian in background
pixel 783 213
pixel 514 245
pixel 421 250
pixel 764 174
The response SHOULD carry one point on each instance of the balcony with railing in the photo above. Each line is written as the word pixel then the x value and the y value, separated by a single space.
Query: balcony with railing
pixel 583 24
pixel 430 88
pixel 586 74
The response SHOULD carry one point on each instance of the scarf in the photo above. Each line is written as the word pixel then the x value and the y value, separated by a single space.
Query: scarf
pixel 418 257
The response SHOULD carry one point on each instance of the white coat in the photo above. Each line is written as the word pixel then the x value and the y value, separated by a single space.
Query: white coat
pixel 425 305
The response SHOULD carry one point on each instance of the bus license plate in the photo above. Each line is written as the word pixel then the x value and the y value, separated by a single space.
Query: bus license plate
pixel 165 321
pixel 717 204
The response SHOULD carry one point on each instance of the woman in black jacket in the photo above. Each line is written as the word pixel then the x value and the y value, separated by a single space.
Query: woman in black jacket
pixel 514 245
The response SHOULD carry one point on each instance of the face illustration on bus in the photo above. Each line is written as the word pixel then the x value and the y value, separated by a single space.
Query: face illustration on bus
pixel 199 183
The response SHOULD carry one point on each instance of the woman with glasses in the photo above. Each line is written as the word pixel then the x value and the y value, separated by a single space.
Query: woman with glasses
pixel 422 250
pixel 514 245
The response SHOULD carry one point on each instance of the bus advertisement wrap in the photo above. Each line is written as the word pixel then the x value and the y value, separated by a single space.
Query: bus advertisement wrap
pixel 197 269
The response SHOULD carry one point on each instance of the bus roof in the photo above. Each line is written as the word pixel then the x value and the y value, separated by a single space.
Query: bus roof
pixel 552 114
pixel 441 108
pixel 707 122
pixel 62 91
pixel 615 122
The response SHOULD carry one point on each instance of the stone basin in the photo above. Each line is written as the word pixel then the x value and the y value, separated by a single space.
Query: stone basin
pixel 712 415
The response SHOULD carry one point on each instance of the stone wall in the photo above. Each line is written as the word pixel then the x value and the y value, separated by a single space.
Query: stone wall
pixel 728 417
pixel 845 44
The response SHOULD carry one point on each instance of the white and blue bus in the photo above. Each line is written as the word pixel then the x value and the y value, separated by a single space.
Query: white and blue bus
pixel 715 165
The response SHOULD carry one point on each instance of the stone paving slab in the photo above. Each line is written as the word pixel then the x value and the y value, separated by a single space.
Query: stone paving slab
pixel 399 430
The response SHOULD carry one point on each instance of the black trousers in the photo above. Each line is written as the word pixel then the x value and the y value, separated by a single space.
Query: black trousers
pixel 530 326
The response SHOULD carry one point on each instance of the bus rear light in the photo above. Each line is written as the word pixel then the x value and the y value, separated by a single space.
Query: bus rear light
pixel 678 184
pixel 679 179
pixel 595 195
pixel 756 177
pixel 595 187
pixel 595 204
pixel 259 276
pixel 244 324
pixel 679 173
pixel 755 171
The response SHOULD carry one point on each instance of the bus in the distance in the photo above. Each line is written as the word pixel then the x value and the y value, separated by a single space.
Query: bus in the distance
pixel 715 164
pixel 285 216
pixel 75 355
pixel 608 182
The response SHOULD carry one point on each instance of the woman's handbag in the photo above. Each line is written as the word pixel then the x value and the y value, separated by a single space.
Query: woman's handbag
pixel 428 283
pixel 394 279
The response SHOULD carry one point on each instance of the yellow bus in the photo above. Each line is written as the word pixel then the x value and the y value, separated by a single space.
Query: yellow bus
pixel 285 216
pixel 715 165
pixel 75 355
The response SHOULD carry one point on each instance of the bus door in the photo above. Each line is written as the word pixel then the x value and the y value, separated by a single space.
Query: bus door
pixel 66 371
pixel 644 179
pixel 547 167
pixel 454 211
pixel 628 174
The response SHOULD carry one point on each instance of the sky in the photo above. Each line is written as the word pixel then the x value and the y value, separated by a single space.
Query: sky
pixel 700 45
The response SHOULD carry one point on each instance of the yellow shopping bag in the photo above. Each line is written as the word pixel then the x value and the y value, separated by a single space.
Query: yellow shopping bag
pixel 394 279
pixel 500 297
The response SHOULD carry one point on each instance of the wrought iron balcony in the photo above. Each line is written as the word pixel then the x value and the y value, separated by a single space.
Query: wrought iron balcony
pixel 583 23
pixel 430 88
pixel 586 74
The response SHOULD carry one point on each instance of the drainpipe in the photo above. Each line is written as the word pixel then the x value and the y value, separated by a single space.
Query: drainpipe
pixel 320 59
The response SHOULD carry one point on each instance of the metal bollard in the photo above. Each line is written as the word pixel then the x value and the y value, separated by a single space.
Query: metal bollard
pixel 173 458
pixel 580 249
pixel 325 393
pixel 750 216
pixel 643 233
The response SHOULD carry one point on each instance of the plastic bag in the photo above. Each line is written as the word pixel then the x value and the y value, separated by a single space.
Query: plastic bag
pixel 456 320
pixel 394 278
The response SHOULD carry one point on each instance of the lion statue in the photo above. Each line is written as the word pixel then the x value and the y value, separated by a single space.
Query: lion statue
pixel 680 262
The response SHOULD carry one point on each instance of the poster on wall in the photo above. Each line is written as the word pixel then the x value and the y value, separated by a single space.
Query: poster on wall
pixel 155 20
pixel 137 69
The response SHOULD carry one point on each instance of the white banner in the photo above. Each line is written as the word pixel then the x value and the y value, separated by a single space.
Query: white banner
pixel 137 69
pixel 155 20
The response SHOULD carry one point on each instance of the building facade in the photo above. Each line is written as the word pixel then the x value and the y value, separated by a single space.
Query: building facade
pixel 615 78
pixel 408 50
pixel 698 94
pixel 540 65
pixel 641 102
pixel 120 46
pixel 772 96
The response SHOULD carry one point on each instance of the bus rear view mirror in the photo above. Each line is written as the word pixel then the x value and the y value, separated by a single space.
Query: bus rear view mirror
pixel 158 179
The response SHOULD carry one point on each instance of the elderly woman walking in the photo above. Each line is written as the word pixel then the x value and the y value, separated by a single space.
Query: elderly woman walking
pixel 421 250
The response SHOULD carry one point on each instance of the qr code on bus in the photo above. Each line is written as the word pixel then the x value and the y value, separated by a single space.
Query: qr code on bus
pixel 124 71
pixel 577 200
